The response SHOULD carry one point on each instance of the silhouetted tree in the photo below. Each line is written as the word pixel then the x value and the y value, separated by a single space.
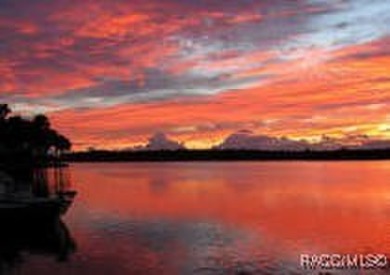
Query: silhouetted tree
pixel 33 137
pixel 41 122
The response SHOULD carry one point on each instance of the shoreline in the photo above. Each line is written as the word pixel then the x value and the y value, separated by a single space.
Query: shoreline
pixel 226 155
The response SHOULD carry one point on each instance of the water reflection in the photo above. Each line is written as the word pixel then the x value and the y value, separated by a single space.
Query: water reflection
pixel 206 218
pixel 229 218
pixel 31 205
pixel 51 238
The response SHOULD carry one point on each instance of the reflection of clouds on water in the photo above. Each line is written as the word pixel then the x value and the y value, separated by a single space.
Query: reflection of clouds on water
pixel 158 185
pixel 185 247
pixel 225 218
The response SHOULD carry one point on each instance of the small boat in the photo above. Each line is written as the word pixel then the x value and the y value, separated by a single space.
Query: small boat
pixel 18 208
pixel 34 197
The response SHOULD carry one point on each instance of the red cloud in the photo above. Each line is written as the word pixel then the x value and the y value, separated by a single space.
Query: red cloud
pixel 64 50
pixel 336 102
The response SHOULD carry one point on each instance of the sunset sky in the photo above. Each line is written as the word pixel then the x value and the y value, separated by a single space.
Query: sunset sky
pixel 109 74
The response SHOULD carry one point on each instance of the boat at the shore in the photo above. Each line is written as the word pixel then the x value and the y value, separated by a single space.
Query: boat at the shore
pixel 26 209
pixel 37 199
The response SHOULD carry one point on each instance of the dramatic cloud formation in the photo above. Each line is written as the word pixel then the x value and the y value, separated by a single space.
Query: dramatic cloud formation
pixel 247 140
pixel 112 73
pixel 160 141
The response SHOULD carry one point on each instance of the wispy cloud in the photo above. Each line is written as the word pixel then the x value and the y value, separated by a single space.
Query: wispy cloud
pixel 299 68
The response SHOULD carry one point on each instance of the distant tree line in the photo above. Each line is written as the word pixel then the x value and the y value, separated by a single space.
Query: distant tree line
pixel 226 155
pixel 30 137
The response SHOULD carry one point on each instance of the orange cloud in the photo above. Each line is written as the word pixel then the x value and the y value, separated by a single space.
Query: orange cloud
pixel 116 72
pixel 341 95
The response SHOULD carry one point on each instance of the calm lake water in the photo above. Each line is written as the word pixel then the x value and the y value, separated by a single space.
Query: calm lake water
pixel 215 218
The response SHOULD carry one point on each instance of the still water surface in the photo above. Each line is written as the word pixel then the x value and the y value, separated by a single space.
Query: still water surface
pixel 217 218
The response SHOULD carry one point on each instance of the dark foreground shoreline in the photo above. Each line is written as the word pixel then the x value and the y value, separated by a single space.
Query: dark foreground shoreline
pixel 225 155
